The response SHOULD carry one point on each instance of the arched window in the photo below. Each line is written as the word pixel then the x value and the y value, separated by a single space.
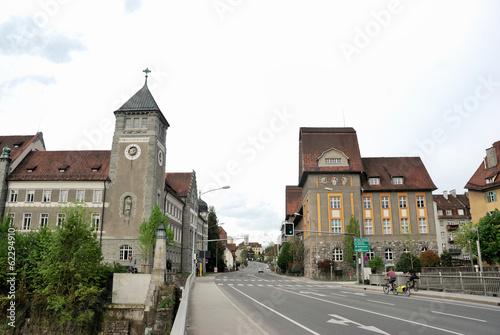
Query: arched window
pixel 125 253
pixel 338 254
pixel 370 254
pixel 388 254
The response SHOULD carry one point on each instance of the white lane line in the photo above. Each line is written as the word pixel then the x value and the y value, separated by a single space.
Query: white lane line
pixel 372 312
pixel 340 295
pixel 459 316
pixel 278 313
pixel 380 302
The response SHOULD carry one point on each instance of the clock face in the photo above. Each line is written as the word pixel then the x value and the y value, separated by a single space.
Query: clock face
pixel 133 151
pixel 160 157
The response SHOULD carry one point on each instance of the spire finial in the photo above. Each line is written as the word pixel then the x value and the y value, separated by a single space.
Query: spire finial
pixel 147 71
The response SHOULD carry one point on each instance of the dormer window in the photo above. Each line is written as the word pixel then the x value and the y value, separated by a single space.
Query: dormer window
pixel 31 169
pixel 95 168
pixel 17 145
pixel 397 180
pixel 63 168
pixel 374 181
pixel 490 180
pixel 333 160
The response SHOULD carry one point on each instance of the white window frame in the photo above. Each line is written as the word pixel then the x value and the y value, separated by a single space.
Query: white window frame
pixel 368 226
pixel 26 221
pixel 80 196
pixel 44 220
pixel 367 202
pixel 95 221
pixel 405 226
pixel 374 181
pixel 335 203
pixel 333 160
pixel 61 217
pixel 97 196
pixel 30 195
pixel 403 202
pixel 422 225
pixel 440 212
pixel 338 255
pixel 126 252
pixel 420 201
pixel 63 196
pixel 397 180
pixel 491 196
pixel 14 194
pixel 449 212
pixel 46 195
pixel 336 225
pixel 386 225
pixel 385 202
pixel 388 254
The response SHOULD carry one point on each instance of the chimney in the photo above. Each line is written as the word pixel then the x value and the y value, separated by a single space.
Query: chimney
pixel 445 195
pixel 453 193
pixel 491 158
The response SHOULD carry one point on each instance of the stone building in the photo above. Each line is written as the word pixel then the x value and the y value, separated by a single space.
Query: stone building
pixel 390 197
pixel 119 186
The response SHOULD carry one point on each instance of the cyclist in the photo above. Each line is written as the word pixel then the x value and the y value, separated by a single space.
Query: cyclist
pixel 413 275
pixel 392 275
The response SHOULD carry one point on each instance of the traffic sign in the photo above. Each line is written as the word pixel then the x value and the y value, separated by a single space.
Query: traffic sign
pixel 361 244
pixel 366 258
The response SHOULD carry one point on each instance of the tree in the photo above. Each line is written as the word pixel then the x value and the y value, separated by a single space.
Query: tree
pixel 407 260
pixel 285 256
pixel 147 234
pixel 410 244
pixel 429 259
pixel 325 266
pixel 216 248
pixel 352 228
pixel 446 258
pixel 376 264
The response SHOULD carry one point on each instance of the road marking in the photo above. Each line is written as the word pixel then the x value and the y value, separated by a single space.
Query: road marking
pixel 240 284
pixel 372 312
pixel 278 313
pixel 380 302
pixel 249 284
pixel 340 295
pixel 307 292
pixel 339 320
pixel 459 316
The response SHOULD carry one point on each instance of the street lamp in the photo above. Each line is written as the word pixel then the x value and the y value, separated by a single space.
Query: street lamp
pixel 196 222
pixel 161 232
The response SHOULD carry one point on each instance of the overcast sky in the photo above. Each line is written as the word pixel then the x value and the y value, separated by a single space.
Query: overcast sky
pixel 236 79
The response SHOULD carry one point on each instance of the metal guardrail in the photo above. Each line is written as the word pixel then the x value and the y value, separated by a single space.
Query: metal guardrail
pixel 179 326
pixel 469 284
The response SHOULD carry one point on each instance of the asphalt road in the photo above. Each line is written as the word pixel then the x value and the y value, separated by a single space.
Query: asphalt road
pixel 284 305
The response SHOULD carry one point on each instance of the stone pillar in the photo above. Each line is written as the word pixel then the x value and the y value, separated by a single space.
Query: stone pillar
pixel 5 161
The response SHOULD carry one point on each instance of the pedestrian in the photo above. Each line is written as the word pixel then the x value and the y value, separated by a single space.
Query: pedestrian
pixel 392 277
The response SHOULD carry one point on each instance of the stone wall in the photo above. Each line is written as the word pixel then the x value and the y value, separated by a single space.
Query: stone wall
pixel 130 288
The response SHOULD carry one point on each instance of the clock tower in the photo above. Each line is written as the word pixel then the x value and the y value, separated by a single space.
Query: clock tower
pixel 136 175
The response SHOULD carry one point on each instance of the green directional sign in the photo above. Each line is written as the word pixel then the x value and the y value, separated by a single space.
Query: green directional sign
pixel 361 244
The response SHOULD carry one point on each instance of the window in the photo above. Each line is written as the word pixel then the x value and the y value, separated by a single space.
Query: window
pixel 80 195
pixel 385 202
pixel 97 196
pixel 338 254
pixel 336 226
pixel 63 196
pixel 402 202
pixel 386 225
pixel 144 122
pixel 374 181
pixel 440 212
pixel 444 246
pixel 26 221
pixel 128 122
pixel 60 219
pixel 368 227
pixel 460 212
pixel 44 220
pixel 367 202
pixel 424 249
pixel 333 160
pixel 30 195
pixel 405 226
pixel 420 201
pixel 442 234
pixel 335 202
pixel 370 254
pixel 397 180
pixel 490 180
pixel 491 196
pixel 125 253
pixel 46 195
pixel 422 224
pixel 388 254
pixel 13 195
pixel 136 122
pixel 449 212
pixel 406 251
pixel 95 223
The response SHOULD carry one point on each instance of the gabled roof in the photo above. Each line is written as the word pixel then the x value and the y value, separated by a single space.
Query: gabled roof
pixel 313 142
pixel 413 171
pixel 180 182
pixel 19 143
pixel 63 165
pixel 478 180
pixel 451 202
pixel 293 199
pixel 142 101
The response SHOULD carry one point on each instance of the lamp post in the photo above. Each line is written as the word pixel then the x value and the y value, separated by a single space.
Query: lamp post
pixel 196 222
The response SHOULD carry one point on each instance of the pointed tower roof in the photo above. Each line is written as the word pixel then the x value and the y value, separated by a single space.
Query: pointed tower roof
pixel 142 101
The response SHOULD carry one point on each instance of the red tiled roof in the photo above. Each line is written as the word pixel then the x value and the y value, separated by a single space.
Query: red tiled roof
pixel 232 247
pixel 18 143
pixel 77 165
pixel 413 171
pixel 478 180
pixel 314 142
pixel 452 203
pixel 179 182
pixel 293 199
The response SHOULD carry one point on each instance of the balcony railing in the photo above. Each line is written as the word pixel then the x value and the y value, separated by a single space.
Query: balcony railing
pixel 452 227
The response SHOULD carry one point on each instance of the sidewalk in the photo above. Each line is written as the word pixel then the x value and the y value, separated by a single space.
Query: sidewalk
pixel 211 312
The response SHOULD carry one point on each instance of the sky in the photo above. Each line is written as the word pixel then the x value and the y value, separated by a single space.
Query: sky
pixel 236 79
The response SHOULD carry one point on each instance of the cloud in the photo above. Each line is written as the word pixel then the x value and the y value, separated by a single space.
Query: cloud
pixel 20 36
pixel 13 83
pixel 132 6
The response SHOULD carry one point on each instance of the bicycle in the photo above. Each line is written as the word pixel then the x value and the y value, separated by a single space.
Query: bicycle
pixel 413 284
pixel 395 289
